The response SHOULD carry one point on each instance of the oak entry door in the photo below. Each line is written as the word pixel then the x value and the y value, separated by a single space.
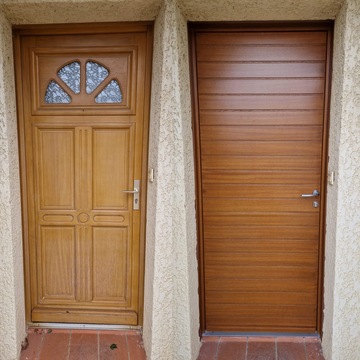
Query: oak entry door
pixel 260 101
pixel 83 103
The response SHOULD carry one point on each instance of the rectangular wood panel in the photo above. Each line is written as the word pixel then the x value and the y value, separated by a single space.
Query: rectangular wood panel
pixel 57 265
pixel 111 149
pixel 110 264
pixel 56 156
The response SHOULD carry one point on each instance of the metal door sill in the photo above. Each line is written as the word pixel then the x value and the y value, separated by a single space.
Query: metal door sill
pixel 70 326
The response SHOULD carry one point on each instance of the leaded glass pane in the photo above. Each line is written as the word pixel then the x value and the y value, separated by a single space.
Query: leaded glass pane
pixel 111 94
pixel 70 75
pixel 56 95
pixel 95 75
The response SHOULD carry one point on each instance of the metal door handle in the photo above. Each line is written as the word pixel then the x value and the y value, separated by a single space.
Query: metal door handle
pixel 314 194
pixel 135 191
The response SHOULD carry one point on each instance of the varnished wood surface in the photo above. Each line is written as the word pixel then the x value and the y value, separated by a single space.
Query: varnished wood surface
pixel 83 241
pixel 260 132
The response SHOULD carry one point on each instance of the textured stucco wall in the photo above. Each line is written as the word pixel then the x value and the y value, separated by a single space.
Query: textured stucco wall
pixel 66 11
pixel 12 315
pixel 243 10
pixel 342 291
pixel 171 301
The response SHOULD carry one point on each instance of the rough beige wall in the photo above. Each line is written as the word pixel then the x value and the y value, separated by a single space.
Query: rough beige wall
pixel 12 316
pixel 65 11
pixel 342 291
pixel 242 10
pixel 171 286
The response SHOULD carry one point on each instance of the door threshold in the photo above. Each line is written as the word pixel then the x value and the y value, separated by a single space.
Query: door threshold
pixel 260 334
pixel 70 326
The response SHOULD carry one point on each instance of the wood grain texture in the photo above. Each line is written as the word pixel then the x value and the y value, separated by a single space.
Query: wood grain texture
pixel 260 102
pixel 84 242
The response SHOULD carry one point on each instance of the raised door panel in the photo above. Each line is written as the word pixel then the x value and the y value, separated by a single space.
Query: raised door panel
pixel 111 153
pixel 56 264
pixel 55 168
pixel 111 265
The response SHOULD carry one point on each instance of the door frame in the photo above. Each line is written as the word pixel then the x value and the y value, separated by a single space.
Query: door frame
pixel 198 27
pixel 77 29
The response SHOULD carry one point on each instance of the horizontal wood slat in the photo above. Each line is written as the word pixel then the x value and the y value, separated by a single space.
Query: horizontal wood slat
pixel 267 285
pixel 261 53
pixel 268 205
pixel 262 102
pixel 261 86
pixel 252 191
pixel 269 70
pixel 257 245
pixel 217 162
pixel 264 310
pixel 237 272
pixel 261 298
pixel 262 177
pixel 263 38
pixel 262 133
pixel 259 218
pixel 262 148
pixel 263 232
pixel 261 117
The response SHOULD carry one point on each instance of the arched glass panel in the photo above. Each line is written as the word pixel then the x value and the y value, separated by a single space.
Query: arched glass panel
pixel 56 95
pixel 70 75
pixel 95 75
pixel 111 94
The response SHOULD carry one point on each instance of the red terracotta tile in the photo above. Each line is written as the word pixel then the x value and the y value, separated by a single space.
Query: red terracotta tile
pixel 232 349
pixel 32 352
pixel 83 338
pixel 55 346
pixel 209 349
pixel 120 352
pixel 206 339
pixel 261 348
pixel 291 349
pixel 313 350
pixel 135 347
pixel 83 345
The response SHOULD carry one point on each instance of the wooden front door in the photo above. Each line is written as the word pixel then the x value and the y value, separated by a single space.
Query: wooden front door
pixel 83 103
pixel 260 104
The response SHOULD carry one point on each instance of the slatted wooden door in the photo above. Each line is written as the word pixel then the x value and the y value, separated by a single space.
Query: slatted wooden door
pixel 83 96
pixel 260 98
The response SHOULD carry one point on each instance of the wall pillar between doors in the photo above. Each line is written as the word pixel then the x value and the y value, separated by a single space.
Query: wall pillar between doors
pixel 171 280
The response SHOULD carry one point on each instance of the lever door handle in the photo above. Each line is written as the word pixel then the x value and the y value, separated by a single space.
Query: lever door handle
pixel 314 194
pixel 135 191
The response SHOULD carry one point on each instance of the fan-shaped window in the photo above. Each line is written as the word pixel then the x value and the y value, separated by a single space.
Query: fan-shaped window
pixel 95 75
pixel 111 94
pixel 56 95
pixel 70 75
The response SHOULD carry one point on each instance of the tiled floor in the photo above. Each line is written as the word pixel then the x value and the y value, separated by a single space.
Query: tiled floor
pixel 83 345
pixel 260 348
pixel 127 345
